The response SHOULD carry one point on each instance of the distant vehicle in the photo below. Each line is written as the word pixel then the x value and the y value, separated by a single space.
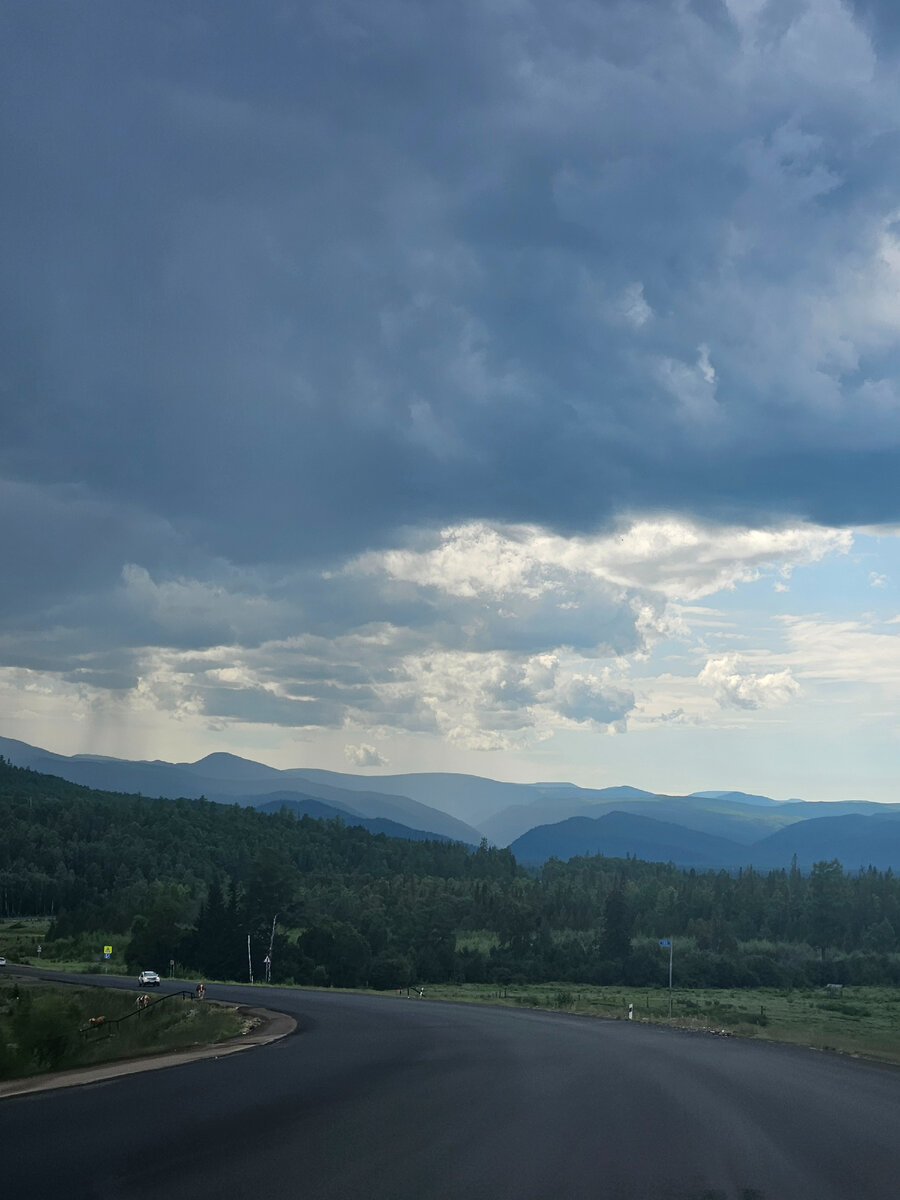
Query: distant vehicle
pixel 148 979
pixel 2 962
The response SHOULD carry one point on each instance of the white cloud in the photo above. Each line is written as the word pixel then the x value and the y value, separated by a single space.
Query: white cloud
pixel 497 701
pixel 734 686
pixel 848 652
pixel 679 558
pixel 364 755
pixel 633 306
pixel 487 635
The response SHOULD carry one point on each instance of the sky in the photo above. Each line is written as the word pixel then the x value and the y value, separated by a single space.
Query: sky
pixel 505 387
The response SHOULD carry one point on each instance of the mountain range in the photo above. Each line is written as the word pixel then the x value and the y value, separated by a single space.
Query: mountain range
pixel 857 840
pixel 722 829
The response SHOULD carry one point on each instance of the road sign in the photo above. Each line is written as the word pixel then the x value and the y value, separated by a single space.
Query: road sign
pixel 665 942
pixel 107 951
pixel 267 959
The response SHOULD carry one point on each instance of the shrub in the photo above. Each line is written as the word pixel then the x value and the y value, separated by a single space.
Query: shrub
pixel 46 1030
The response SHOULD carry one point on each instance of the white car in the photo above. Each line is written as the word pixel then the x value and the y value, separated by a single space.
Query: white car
pixel 2 962
pixel 148 979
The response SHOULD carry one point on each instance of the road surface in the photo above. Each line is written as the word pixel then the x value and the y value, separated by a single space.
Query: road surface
pixel 378 1098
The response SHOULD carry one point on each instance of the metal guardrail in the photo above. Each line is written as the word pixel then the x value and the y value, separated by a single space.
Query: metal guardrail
pixel 110 1027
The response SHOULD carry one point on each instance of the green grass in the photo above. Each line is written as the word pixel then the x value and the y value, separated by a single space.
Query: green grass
pixel 44 1026
pixel 864 1020
pixel 21 936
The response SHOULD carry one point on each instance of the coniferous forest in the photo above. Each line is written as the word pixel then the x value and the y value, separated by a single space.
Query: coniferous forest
pixel 189 880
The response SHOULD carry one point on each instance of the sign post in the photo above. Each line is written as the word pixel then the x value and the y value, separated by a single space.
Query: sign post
pixel 668 942
pixel 269 955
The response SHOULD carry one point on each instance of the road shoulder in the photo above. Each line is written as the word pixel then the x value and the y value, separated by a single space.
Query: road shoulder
pixel 264 1026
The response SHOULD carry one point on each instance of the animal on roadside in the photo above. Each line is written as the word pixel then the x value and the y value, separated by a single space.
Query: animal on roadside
pixel 143 1002
pixel 97 1022
pixel 201 990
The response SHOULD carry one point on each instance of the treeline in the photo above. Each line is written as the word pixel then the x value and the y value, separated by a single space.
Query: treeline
pixel 190 880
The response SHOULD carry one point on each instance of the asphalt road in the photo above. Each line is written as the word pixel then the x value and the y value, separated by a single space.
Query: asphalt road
pixel 376 1098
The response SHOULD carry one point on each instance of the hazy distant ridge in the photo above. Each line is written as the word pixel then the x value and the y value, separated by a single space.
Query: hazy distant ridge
pixel 229 779
pixel 720 828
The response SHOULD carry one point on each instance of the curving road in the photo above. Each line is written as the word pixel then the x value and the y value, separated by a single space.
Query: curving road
pixel 376 1098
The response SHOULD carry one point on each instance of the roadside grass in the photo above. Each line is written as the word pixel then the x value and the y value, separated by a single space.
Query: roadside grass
pixel 44 1026
pixel 864 1021
pixel 83 954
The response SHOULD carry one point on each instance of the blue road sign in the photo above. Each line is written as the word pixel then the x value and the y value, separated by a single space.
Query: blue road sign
pixel 664 942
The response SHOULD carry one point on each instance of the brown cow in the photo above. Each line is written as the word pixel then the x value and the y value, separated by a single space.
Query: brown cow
pixel 96 1022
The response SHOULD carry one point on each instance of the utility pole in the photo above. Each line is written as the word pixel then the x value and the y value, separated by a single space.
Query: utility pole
pixel 668 942
pixel 269 955
pixel 249 959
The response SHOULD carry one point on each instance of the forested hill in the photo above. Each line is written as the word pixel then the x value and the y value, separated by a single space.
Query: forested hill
pixel 188 880
pixel 70 848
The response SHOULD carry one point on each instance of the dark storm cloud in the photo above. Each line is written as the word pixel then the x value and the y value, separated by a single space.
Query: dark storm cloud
pixel 248 704
pixel 280 281
pixel 882 19
pixel 288 277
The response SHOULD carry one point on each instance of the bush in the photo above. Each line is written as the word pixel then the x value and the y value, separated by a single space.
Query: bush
pixel 46 1030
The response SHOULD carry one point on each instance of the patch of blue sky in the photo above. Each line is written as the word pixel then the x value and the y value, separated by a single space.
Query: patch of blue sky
pixel 840 586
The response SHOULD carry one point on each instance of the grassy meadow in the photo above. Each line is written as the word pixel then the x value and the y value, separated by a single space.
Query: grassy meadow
pixel 863 1021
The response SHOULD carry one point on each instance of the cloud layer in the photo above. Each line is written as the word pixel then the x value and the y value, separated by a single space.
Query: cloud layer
pixel 539 263
pixel 376 367
pixel 488 636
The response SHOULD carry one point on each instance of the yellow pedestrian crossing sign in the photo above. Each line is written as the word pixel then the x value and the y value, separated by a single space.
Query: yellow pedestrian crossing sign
pixel 107 950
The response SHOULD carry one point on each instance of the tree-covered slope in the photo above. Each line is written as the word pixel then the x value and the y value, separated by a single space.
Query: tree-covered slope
pixel 190 881
pixel 70 847
pixel 620 834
